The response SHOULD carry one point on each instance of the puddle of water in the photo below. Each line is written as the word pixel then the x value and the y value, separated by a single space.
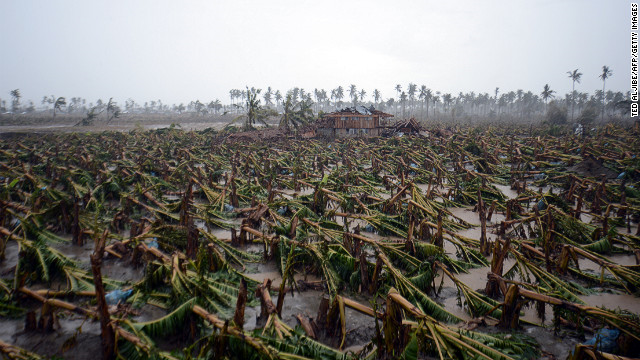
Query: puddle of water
pixel 11 257
pixel 466 214
pixel 294 194
pixel 119 270
pixel 74 252
pixel 506 190
pixel 613 301
pixel 50 344
pixel 620 259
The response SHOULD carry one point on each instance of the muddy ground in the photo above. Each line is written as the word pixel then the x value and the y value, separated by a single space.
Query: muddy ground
pixel 76 338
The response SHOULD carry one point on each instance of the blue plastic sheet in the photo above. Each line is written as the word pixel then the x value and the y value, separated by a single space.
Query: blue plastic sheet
pixel 605 340
pixel 117 296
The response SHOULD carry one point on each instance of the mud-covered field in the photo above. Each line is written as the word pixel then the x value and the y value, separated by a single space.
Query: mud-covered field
pixel 472 242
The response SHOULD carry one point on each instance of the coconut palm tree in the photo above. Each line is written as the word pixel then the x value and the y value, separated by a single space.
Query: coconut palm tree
pixel 422 96
pixel 446 101
pixel 427 97
pixel 253 107
pixel 398 90
pixel 362 94
pixel 113 110
pixel 547 94
pixel 411 91
pixel 278 96
pixel 58 105
pixel 376 96
pixel 606 73
pixel 267 96
pixel 353 93
pixel 295 113
pixel 575 77
pixel 339 94
pixel 324 98
pixel 15 102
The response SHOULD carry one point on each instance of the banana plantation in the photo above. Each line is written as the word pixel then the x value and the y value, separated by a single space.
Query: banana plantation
pixel 464 243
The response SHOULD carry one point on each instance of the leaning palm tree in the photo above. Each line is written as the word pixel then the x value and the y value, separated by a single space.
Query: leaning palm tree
pixel 547 94
pixel 58 105
pixel 575 76
pixel 606 73
pixel 113 110
pixel 295 113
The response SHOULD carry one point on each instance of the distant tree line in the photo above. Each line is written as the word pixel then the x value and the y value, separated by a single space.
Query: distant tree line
pixel 413 100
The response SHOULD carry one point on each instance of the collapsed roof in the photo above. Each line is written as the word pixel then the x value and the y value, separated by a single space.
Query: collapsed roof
pixel 361 110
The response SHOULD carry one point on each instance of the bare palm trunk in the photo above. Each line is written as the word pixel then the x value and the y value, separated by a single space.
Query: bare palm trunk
pixel 573 99
pixel 603 98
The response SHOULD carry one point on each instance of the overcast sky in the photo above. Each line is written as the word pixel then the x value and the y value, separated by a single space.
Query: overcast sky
pixel 185 50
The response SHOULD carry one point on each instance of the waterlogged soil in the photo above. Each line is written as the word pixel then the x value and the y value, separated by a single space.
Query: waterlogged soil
pixel 73 338
pixel 81 339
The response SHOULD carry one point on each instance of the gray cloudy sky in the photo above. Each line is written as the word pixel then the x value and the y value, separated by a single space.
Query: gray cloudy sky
pixel 180 51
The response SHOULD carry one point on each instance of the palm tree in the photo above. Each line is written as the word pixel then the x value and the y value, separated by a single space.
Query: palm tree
pixel 446 101
pixel 253 107
pixel 295 113
pixel 606 73
pixel 403 100
pixel 398 90
pixel 547 94
pixel 575 76
pixel 267 96
pixel 411 91
pixel 353 93
pixel 112 108
pixel 58 104
pixel 376 96
pixel 324 98
pixel 436 100
pixel 15 102
pixel 278 96
pixel 362 94
pixel 428 96
pixel 422 96
pixel 339 94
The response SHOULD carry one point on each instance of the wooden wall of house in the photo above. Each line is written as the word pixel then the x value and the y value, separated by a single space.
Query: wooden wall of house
pixel 356 121
pixel 342 133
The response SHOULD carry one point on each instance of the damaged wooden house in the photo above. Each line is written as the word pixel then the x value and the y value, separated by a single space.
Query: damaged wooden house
pixel 353 121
